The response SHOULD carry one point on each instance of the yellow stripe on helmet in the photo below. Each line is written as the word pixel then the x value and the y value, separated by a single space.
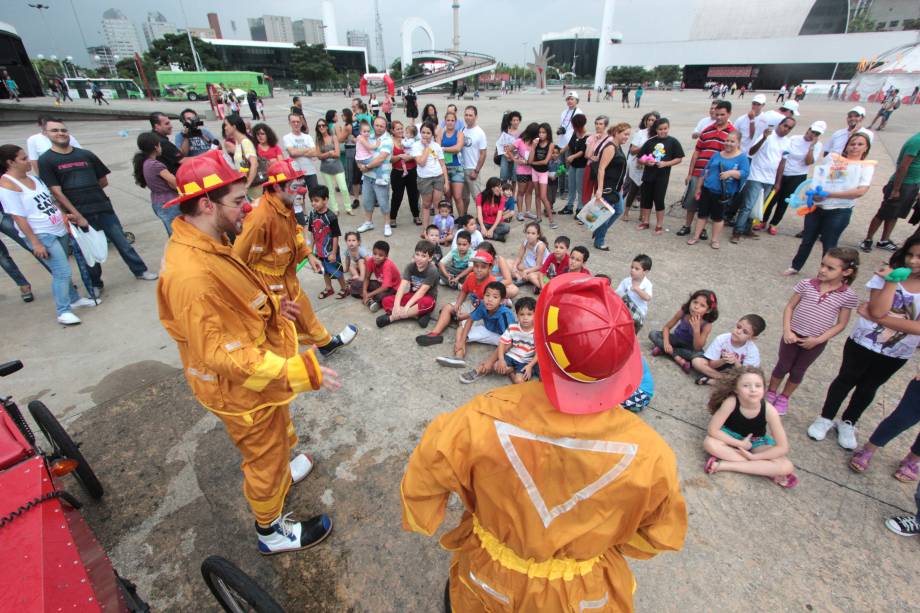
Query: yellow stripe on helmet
pixel 552 320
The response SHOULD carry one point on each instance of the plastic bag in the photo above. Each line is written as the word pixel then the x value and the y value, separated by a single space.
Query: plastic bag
pixel 595 214
pixel 92 243
pixel 758 210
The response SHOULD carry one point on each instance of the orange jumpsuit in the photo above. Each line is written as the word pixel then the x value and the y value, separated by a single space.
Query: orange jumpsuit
pixel 553 502
pixel 239 355
pixel 272 244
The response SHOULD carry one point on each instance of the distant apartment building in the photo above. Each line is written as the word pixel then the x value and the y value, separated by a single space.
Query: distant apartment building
pixel 214 24
pixel 272 28
pixel 120 34
pixel 102 56
pixel 202 32
pixel 359 38
pixel 309 31
pixel 156 26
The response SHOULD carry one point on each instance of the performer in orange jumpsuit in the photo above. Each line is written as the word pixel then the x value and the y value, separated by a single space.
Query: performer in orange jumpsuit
pixel 272 245
pixel 238 346
pixel 559 482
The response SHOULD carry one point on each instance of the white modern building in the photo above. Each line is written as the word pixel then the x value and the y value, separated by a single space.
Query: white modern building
pixel 360 38
pixel 769 43
pixel 309 31
pixel 272 28
pixel 156 26
pixel 120 34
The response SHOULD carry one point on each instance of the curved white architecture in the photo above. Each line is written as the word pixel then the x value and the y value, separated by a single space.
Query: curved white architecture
pixel 409 26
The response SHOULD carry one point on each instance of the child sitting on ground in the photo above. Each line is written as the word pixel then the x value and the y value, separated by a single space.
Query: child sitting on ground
pixel 471 293
pixel 531 255
pixel 501 270
pixel 432 235
pixel 556 264
pixel 642 396
pixel 685 334
pixel 418 290
pixel 468 223
pixel 444 222
pixel 577 259
pixel 517 354
pixel 636 289
pixel 323 226
pixel 354 264
pixel 456 264
pixel 737 437
pixel 818 311
pixel 485 324
pixel 735 348
pixel 381 277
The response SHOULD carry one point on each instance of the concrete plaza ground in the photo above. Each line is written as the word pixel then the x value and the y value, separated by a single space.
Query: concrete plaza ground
pixel 172 477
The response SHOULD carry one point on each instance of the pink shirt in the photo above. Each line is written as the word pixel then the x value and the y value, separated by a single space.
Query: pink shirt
pixel 816 313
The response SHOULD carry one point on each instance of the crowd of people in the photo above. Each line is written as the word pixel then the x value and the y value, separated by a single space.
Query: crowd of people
pixel 745 172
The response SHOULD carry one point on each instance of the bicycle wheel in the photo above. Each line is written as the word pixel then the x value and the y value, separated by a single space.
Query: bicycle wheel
pixel 64 446
pixel 236 591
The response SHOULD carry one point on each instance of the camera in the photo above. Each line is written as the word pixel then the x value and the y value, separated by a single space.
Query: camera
pixel 560 130
pixel 192 125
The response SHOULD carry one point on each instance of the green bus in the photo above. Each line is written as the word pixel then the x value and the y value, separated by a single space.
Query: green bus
pixel 192 85
pixel 112 88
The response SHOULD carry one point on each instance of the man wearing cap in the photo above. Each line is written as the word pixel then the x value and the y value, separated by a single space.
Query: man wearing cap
pixel 766 156
pixel 238 346
pixel 898 196
pixel 565 130
pixel 789 108
pixel 272 245
pixel 838 141
pixel 558 481
pixel 803 151
pixel 751 125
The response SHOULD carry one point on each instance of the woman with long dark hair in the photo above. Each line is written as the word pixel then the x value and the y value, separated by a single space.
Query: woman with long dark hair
pixel 343 131
pixel 664 151
pixel 611 171
pixel 576 161
pixel 633 170
pixel 403 176
pixel 429 114
pixel 540 154
pixel 490 211
pixel 330 167
pixel 432 172
pixel 151 173
pixel 267 143
pixel 451 141
pixel 520 155
pixel 511 122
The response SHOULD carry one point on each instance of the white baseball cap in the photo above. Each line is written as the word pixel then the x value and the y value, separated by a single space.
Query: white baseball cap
pixel 791 105
pixel 869 134
pixel 572 94
pixel 759 99
pixel 861 111
pixel 818 127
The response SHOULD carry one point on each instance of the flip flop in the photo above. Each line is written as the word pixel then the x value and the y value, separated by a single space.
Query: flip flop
pixel 659 230
pixel 693 241
pixel 325 293
pixel 788 482
pixel 710 466
pixel 702 380
pixel 715 245
pixel 343 293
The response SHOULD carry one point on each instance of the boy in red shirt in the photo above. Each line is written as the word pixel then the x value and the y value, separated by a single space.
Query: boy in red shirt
pixel 381 277
pixel 474 286
pixel 577 258
pixel 556 264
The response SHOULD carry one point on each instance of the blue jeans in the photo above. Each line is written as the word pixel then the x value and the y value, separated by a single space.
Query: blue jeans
pixel 166 215
pixel 371 194
pixel 600 234
pixel 750 192
pixel 7 264
pixel 111 226
pixel 506 172
pixel 576 180
pixel 62 286
pixel 903 418
pixel 829 224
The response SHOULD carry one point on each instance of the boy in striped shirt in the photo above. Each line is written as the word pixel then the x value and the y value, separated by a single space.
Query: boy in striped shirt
pixel 517 355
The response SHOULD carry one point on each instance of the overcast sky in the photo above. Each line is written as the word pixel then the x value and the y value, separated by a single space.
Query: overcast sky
pixel 497 27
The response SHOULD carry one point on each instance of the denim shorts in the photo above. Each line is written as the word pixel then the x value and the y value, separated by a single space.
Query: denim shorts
pixel 455 174
pixel 333 269
pixel 519 366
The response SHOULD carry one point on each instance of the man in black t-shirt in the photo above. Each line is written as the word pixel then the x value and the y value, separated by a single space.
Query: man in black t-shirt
pixel 77 177
pixel 169 153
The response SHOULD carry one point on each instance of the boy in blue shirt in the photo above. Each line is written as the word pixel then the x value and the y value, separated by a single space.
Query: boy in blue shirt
pixel 486 324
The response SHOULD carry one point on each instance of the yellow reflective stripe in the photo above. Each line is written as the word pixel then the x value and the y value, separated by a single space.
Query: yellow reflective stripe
pixel 641 543
pixel 552 320
pixel 297 375
pixel 559 355
pixel 413 524
pixel 554 568
pixel 267 370
pixel 316 369
pixel 275 271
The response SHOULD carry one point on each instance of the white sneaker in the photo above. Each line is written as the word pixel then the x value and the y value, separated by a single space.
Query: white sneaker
pixel 147 276
pixel 348 333
pixel 367 225
pixel 84 302
pixel 68 319
pixel 290 535
pixel 846 435
pixel 301 466
pixel 387 230
pixel 820 427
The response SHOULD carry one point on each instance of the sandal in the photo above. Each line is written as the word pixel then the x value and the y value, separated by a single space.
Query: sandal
pixel 907 471
pixel 642 226
pixel 684 364
pixel 658 230
pixel 702 380
pixel 693 241
pixel 325 293
pixel 711 465
pixel 417 221
pixel 788 481
pixel 343 293
pixel 715 245
pixel 859 462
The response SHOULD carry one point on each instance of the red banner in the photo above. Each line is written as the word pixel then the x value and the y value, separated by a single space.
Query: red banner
pixel 729 72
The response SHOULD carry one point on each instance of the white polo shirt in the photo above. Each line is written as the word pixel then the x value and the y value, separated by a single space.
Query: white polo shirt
pixel 767 159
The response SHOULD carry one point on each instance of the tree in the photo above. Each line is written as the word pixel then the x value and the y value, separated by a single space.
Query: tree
pixel 175 49
pixel 126 70
pixel 861 23
pixel 312 64
pixel 396 70
pixel 627 74
pixel 667 73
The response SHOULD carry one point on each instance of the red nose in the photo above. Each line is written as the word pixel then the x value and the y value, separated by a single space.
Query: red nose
pixel 301 191
pixel 247 208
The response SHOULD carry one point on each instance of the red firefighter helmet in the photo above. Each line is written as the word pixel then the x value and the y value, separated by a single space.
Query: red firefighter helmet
pixel 586 345
pixel 202 174
pixel 281 171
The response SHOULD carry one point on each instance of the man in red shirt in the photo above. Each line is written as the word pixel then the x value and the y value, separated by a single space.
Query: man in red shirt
pixel 711 140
